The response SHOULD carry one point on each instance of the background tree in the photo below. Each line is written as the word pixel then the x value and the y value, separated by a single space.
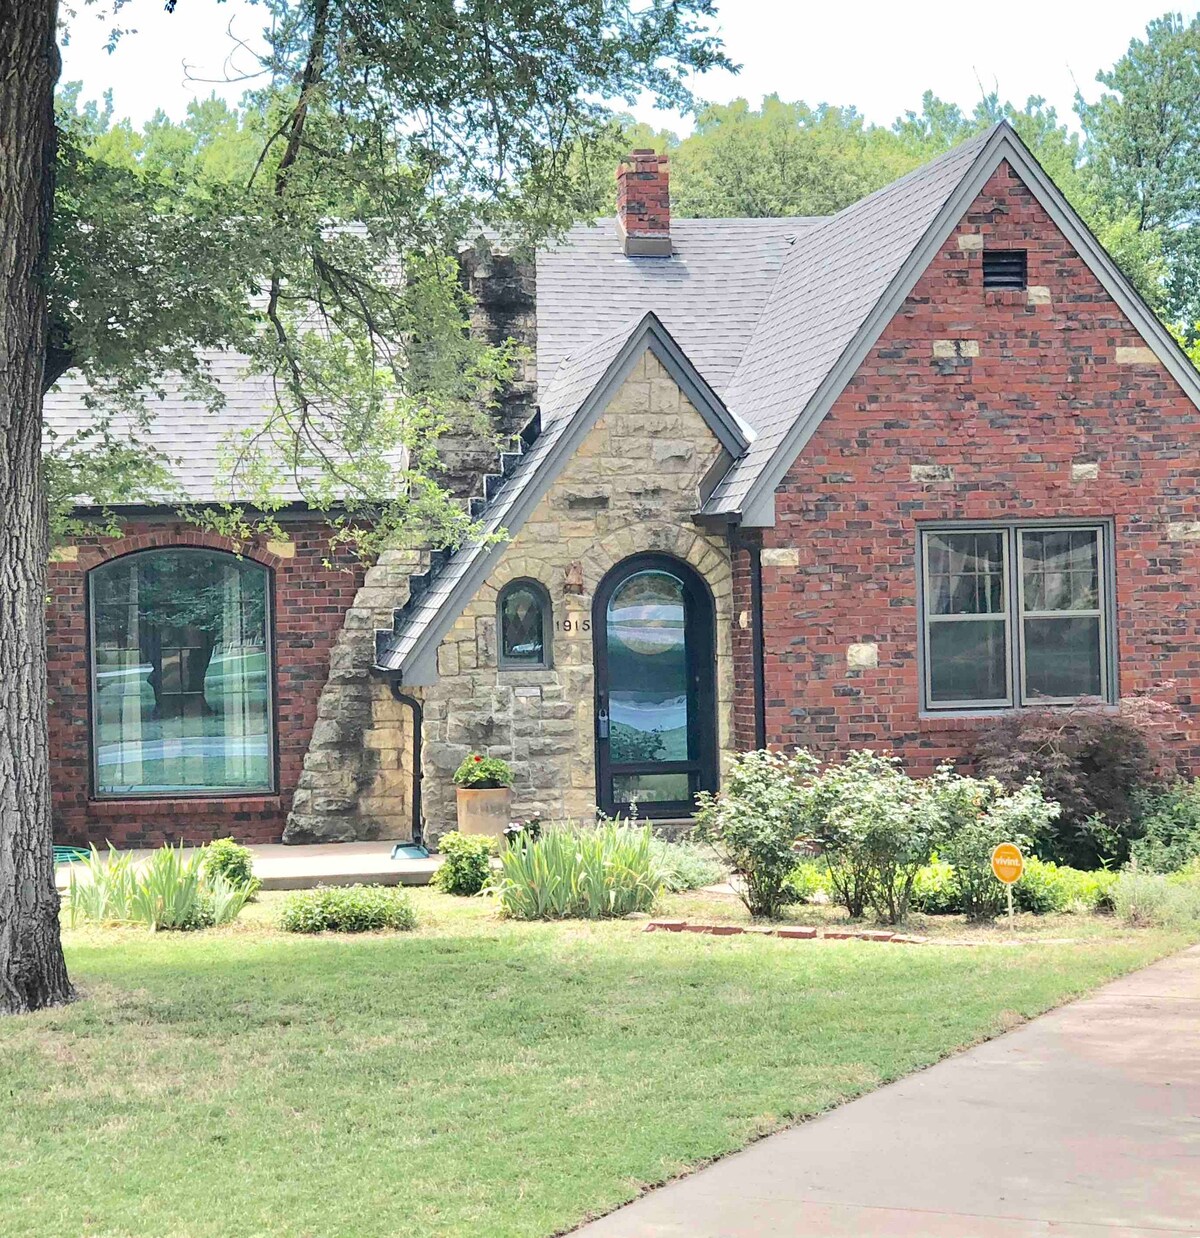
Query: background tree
pixel 1143 153
pixel 389 131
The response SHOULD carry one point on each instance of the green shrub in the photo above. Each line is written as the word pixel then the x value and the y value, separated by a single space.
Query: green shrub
pixel 934 891
pixel 1093 763
pixel 1042 888
pixel 876 829
pixel 1170 825
pixel 347 909
pixel 466 863
pixel 225 858
pixel 754 822
pixel 483 772
pixel 975 815
pixel 808 879
pixel 171 890
pixel 579 872
pixel 1046 888
pixel 1151 900
pixel 684 865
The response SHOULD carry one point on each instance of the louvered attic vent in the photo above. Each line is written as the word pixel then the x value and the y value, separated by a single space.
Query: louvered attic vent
pixel 1004 268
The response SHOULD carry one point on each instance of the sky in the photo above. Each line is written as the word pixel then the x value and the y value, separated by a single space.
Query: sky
pixel 879 55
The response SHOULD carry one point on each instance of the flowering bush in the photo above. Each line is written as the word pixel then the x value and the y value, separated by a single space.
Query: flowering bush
pixel 754 822
pixel 482 772
pixel 975 815
pixel 876 827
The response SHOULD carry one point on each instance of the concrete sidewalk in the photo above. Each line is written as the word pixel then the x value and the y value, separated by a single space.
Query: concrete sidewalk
pixel 1081 1124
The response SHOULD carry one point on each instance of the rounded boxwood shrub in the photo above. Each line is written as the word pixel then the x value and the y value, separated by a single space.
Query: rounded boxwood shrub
pixel 347 909
pixel 466 862
pixel 225 858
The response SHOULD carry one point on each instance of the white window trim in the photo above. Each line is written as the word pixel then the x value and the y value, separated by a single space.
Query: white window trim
pixel 1014 616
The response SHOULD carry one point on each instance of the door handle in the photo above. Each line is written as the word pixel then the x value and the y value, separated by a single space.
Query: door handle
pixel 602 723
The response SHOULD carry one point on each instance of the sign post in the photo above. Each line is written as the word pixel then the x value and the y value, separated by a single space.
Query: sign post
pixel 1008 864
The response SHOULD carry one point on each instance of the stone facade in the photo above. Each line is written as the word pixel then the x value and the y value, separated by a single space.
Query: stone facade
pixel 1044 406
pixel 632 487
pixel 358 771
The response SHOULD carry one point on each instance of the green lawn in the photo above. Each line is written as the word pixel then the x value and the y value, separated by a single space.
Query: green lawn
pixel 474 1078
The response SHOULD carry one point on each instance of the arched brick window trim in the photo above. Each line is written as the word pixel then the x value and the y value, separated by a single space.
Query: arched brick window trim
pixel 174 538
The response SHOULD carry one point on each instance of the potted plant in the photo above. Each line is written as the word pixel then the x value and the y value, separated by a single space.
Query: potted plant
pixel 484 795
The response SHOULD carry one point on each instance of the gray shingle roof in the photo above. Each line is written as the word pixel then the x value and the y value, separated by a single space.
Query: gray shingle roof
pixel 709 294
pixel 188 433
pixel 830 281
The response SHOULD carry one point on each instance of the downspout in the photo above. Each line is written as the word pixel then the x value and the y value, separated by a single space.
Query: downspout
pixel 418 717
pixel 757 657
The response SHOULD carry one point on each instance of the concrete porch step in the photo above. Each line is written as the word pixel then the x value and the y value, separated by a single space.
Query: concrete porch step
pixel 332 864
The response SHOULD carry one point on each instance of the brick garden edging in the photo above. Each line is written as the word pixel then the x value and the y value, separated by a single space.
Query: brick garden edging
pixel 791 933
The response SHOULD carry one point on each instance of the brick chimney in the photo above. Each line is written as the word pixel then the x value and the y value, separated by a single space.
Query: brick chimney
pixel 644 205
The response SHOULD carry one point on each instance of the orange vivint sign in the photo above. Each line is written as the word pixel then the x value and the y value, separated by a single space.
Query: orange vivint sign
pixel 1008 863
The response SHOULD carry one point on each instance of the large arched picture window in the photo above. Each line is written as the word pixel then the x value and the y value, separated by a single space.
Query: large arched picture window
pixel 181 675
pixel 523 613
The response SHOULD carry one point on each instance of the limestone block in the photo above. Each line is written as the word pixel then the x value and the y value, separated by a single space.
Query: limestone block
pixel 447 659
pixel 969 241
pixel 781 556
pixel 1136 356
pixel 282 549
pixel 1085 470
pixel 955 348
pixel 64 554
pixel 931 472
pixel 1038 295
pixel 1183 531
pixel 862 656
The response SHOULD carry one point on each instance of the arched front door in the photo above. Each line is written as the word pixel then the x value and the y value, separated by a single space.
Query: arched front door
pixel 656 718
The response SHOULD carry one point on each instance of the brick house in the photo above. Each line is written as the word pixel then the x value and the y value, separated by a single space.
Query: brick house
pixel 869 479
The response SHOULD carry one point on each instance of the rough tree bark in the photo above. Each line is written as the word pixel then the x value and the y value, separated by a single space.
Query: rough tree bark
pixel 32 971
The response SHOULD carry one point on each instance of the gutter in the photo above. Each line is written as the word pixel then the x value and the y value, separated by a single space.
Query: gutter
pixel 394 681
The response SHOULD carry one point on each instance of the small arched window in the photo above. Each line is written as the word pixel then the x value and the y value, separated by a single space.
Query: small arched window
pixel 524 620
pixel 181 674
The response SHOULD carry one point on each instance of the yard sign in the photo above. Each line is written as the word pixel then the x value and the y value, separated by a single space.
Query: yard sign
pixel 1008 864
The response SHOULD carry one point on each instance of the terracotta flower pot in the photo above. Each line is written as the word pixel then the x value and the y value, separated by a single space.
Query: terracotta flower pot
pixel 484 810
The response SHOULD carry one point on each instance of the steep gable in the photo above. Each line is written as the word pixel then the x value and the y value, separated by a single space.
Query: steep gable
pixel 843 283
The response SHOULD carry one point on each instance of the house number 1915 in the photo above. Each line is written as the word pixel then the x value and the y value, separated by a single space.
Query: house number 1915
pixel 574 625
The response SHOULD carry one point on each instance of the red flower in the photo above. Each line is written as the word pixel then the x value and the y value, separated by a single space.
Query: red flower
pixel 478 758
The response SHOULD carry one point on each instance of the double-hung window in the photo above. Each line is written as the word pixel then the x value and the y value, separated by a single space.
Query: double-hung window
pixel 1016 614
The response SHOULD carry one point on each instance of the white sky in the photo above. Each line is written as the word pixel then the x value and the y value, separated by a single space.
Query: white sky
pixel 879 55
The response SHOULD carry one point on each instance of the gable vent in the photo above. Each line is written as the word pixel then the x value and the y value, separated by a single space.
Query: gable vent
pixel 1005 268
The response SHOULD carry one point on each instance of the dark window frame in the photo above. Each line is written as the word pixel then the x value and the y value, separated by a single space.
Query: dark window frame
pixel 189 793
pixel 1013 587
pixel 506 661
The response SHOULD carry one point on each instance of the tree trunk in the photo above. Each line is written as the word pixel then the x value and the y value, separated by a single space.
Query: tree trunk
pixel 32 971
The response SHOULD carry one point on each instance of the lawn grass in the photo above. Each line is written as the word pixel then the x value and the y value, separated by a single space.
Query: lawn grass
pixel 474 1078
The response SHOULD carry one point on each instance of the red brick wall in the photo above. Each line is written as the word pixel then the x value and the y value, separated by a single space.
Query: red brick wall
pixel 1045 392
pixel 309 601
pixel 743 644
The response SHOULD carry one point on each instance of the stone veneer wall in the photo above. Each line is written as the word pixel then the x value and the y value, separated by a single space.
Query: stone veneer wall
pixel 358 770
pixel 632 487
